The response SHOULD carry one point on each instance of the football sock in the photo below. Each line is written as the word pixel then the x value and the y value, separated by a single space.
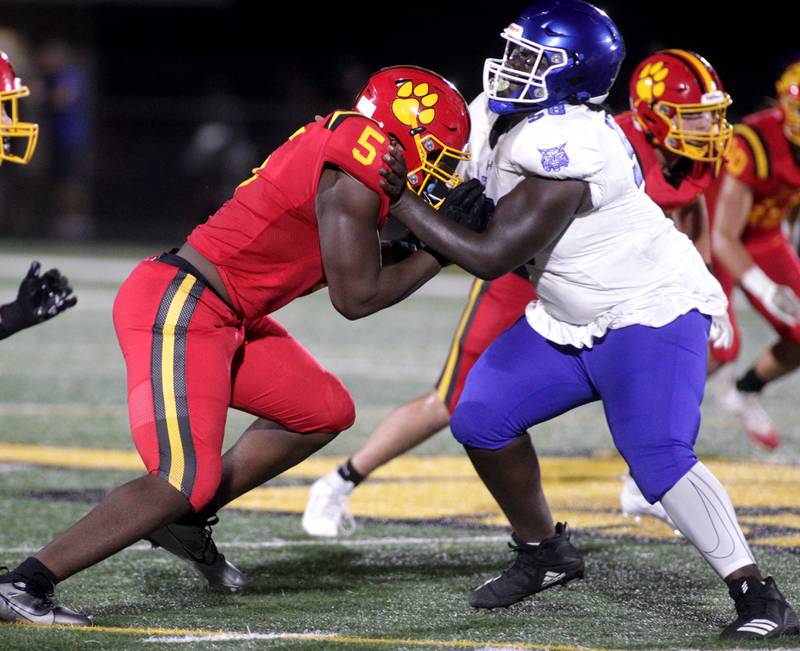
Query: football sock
pixel 750 382
pixel 702 511
pixel 38 578
pixel 348 473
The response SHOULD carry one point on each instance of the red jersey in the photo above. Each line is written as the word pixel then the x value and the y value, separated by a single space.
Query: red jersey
pixel 669 194
pixel 264 241
pixel 762 158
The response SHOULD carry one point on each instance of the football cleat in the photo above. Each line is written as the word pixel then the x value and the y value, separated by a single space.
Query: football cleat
pixel 554 561
pixel 19 605
pixel 746 406
pixel 328 513
pixel 634 504
pixel 762 610
pixel 193 543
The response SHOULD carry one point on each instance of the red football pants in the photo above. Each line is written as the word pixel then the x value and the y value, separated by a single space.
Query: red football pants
pixel 189 358
pixel 492 308
pixel 776 257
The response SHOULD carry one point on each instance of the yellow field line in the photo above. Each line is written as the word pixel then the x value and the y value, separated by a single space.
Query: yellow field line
pixel 313 637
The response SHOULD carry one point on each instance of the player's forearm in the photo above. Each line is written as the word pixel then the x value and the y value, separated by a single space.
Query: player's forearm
pixel 472 251
pixel 391 285
pixel 732 254
pixel 692 221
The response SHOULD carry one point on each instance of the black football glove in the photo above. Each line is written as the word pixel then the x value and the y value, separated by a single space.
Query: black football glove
pixel 466 205
pixel 39 298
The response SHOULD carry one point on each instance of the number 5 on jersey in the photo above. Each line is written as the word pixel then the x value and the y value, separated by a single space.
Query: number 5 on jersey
pixel 366 155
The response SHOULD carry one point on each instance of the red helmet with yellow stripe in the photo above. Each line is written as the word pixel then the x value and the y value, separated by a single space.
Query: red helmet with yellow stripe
pixel 429 118
pixel 679 102
pixel 788 88
pixel 18 138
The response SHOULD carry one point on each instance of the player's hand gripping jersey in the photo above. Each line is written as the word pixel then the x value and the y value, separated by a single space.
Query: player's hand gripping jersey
pixel 621 263
pixel 264 241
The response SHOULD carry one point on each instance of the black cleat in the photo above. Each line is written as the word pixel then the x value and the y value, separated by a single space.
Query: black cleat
pixel 193 543
pixel 554 561
pixel 763 612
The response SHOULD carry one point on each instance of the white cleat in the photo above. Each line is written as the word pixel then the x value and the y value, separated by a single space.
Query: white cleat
pixel 328 513
pixel 634 504
pixel 747 408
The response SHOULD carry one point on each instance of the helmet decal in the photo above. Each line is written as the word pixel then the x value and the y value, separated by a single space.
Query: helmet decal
pixel 414 104
pixel 650 85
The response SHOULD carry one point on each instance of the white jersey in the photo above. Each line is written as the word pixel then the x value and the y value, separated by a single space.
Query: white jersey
pixel 623 262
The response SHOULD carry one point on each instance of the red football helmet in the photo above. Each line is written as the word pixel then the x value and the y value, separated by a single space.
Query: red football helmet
pixel 788 88
pixel 19 138
pixel 429 118
pixel 678 101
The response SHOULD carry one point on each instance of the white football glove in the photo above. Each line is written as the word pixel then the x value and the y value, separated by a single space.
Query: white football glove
pixel 780 300
pixel 721 333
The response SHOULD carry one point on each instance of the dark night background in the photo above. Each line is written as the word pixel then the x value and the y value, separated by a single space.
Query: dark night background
pixel 184 97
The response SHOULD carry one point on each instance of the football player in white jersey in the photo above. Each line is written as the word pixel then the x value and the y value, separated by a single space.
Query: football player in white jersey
pixel 624 312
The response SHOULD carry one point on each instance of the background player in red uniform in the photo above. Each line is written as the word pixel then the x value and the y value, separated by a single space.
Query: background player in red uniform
pixel 678 130
pixel 196 335
pixel 758 191
pixel 40 296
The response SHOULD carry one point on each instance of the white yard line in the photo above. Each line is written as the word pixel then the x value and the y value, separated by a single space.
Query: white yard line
pixel 342 542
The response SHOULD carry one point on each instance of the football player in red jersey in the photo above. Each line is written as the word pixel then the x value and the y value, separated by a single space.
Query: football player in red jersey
pixel 677 128
pixel 759 189
pixel 196 334
pixel 19 138
pixel 40 296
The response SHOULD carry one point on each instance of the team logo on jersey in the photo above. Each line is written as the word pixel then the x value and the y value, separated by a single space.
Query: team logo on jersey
pixel 651 84
pixel 554 159
pixel 414 104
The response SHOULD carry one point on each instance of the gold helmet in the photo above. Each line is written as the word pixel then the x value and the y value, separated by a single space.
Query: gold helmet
pixel 788 87
pixel 18 138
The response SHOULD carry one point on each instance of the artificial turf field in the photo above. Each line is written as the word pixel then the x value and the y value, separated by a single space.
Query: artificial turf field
pixel 427 532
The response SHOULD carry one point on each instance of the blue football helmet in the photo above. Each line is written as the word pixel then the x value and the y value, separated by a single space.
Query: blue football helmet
pixel 556 51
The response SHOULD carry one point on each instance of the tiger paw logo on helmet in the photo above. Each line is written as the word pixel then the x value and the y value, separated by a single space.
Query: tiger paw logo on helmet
pixel 414 104
pixel 651 84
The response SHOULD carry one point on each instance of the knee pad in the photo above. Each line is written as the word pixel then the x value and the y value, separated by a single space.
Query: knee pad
pixel 475 425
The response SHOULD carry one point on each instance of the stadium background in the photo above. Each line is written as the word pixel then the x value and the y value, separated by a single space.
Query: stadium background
pixel 183 96
pixel 181 99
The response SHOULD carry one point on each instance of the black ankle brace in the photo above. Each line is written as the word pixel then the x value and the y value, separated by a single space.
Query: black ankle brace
pixel 349 473
pixel 38 578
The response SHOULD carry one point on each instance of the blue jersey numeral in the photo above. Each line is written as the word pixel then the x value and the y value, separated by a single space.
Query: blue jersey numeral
pixel 638 177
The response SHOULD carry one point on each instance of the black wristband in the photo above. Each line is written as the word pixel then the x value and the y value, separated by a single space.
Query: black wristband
pixel 12 319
